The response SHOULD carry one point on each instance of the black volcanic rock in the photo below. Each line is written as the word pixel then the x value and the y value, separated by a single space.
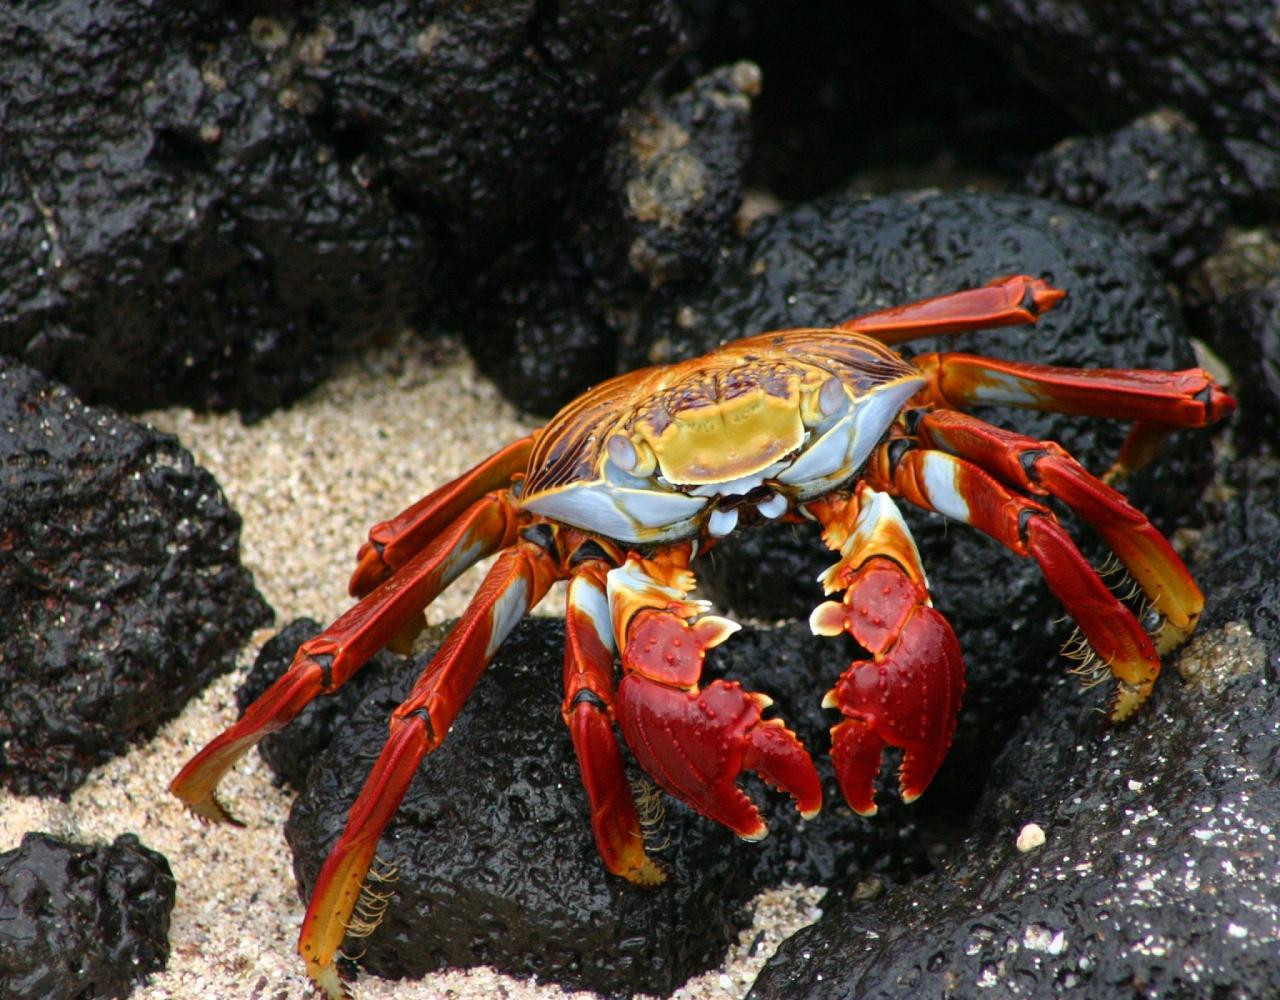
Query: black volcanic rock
pixel 121 583
pixel 81 921
pixel 202 205
pixel 1156 178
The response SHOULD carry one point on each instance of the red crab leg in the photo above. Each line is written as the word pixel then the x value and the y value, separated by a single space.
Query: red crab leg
pixel 1154 400
pixel 694 741
pixel 1045 468
pixel 323 664
pixel 515 583
pixel 908 693
pixel 1009 301
pixel 938 481
pixel 588 712
pixel 393 542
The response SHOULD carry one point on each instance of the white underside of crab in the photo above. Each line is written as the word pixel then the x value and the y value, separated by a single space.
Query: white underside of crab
pixel 651 509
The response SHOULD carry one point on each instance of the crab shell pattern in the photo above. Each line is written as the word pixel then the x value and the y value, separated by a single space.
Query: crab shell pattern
pixel 628 483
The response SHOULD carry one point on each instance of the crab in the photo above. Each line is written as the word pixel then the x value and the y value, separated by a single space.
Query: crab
pixel 627 484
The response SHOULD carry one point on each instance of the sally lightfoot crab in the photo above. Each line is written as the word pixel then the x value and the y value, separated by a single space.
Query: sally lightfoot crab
pixel 628 483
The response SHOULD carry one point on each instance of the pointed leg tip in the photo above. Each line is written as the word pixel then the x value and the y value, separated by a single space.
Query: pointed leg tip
pixel 866 810
pixel 328 983
pixel 649 873
pixel 209 809
pixel 811 813
pixel 756 833
pixel 1128 699
pixel 1046 297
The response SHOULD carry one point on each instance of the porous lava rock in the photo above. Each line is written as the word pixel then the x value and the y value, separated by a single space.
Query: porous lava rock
pixel 120 579
pixel 1234 304
pixel 544 320
pixel 206 203
pixel 81 920
pixel 493 858
pixel 1107 63
pixel 886 92
pixel 1156 178
pixel 837 257
pixel 1156 877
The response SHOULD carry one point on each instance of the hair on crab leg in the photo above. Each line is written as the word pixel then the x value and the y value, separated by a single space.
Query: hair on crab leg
pixel 959 489
pixel 1045 468
pixel 326 662
pixel 588 712
pixel 515 583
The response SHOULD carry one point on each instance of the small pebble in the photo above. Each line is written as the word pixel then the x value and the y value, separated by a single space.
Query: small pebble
pixel 1030 837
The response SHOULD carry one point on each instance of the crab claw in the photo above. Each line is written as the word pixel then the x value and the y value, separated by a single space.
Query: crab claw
pixel 908 695
pixel 695 742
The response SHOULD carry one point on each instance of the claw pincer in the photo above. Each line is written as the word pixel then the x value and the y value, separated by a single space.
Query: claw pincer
pixel 695 741
pixel 908 694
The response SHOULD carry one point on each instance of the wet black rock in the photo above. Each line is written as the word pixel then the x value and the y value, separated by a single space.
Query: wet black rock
pixel 81 921
pixel 1234 305
pixel 121 583
pixel 205 206
pixel 291 751
pixel 886 91
pixel 492 847
pixel 838 257
pixel 543 322
pixel 675 177
pixel 485 116
pixel 1157 178
pixel 1107 63
pixel 538 325
pixel 1245 327
pixel 1157 877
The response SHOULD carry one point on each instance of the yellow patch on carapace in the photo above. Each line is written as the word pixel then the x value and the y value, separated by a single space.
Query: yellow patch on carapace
pixel 705 438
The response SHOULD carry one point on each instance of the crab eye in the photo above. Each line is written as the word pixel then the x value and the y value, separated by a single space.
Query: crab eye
pixel 622 453
pixel 832 397
pixel 630 457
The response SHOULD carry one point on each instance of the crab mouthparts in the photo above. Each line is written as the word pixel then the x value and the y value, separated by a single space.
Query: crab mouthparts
pixel 761 504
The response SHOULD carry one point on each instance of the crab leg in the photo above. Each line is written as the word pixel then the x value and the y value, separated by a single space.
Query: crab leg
pixel 1008 301
pixel 941 482
pixel 908 693
pixel 1156 401
pixel 515 583
pixel 392 543
pixel 588 711
pixel 694 741
pixel 323 664
pixel 1045 468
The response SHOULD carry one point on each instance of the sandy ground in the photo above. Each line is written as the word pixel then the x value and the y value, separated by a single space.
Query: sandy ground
pixel 308 483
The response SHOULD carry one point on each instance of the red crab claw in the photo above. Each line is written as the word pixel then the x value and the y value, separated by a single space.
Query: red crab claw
pixel 908 695
pixel 695 742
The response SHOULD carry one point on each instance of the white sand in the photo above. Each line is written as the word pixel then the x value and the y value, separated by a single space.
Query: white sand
pixel 308 483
